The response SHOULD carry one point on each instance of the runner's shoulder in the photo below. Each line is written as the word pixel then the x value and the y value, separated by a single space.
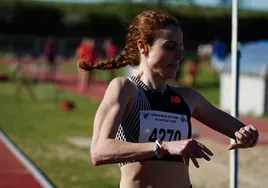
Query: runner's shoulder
pixel 122 84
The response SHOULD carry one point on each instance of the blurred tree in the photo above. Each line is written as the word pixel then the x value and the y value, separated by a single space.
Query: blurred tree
pixel 192 2
pixel 160 2
pixel 33 20
pixel 225 2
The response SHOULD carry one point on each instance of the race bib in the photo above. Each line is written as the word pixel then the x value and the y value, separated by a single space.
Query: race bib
pixel 162 125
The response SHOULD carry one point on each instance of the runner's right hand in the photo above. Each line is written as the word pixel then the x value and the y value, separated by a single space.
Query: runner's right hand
pixel 188 149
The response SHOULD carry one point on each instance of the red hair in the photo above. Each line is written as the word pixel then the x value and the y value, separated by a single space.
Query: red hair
pixel 144 26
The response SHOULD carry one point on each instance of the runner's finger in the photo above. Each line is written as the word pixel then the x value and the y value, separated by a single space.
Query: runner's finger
pixel 255 132
pixel 194 161
pixel 240 137
pixel 246 136
pixel 185 160
pixel 236 146
pixel 205 149
pixel 205 156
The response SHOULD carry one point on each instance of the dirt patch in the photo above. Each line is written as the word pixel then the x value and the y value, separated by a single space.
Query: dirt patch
pixel 252 173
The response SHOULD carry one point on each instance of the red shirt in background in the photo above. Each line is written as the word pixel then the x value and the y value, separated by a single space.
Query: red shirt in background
pixel 87 53
pixel 50 48
pixel 111 50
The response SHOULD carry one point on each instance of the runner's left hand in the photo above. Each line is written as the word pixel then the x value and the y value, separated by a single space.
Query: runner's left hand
pixel 246 137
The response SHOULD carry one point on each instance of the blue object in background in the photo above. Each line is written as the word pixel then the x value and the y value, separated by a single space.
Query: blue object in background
pixel 254 58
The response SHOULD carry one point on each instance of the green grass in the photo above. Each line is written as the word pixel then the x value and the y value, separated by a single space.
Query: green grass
pixel 2 54
pixel 41 129
pixel 208 84
pixel 5 68
pixel 265 116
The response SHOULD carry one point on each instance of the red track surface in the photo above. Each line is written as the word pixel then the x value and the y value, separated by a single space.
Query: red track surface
pixel 13 172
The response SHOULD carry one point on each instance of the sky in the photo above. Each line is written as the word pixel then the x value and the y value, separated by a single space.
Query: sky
pixel 247 4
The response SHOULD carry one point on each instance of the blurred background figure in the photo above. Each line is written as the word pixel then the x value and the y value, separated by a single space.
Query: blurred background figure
pixel 192 72
pixel 179 73
pixel 218 55
pixel 110 51
pixel 50 55
pixel 17 64
pixel 86 50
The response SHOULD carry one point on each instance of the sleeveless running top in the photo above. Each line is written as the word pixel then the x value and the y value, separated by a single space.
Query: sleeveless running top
pixel 155 115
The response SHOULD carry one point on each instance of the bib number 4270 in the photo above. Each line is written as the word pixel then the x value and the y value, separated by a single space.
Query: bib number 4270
pixel 165 134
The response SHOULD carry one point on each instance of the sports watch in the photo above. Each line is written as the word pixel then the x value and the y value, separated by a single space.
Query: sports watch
pixel 157 148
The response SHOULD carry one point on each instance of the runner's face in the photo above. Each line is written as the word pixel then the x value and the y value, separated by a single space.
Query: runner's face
pixel 166 52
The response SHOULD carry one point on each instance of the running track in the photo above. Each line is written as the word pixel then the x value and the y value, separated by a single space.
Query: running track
pixel 17 170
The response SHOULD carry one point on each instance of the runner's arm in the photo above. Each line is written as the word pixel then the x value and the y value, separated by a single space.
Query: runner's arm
pixel 104 148
pixel 213 117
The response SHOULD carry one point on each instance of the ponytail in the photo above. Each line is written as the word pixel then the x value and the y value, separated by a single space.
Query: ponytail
pixel 128 56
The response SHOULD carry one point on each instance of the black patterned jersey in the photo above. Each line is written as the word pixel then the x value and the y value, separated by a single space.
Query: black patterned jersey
pixel 155 115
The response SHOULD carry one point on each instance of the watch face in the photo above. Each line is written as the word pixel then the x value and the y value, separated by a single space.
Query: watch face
pixel 157 149
pixel 159 142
